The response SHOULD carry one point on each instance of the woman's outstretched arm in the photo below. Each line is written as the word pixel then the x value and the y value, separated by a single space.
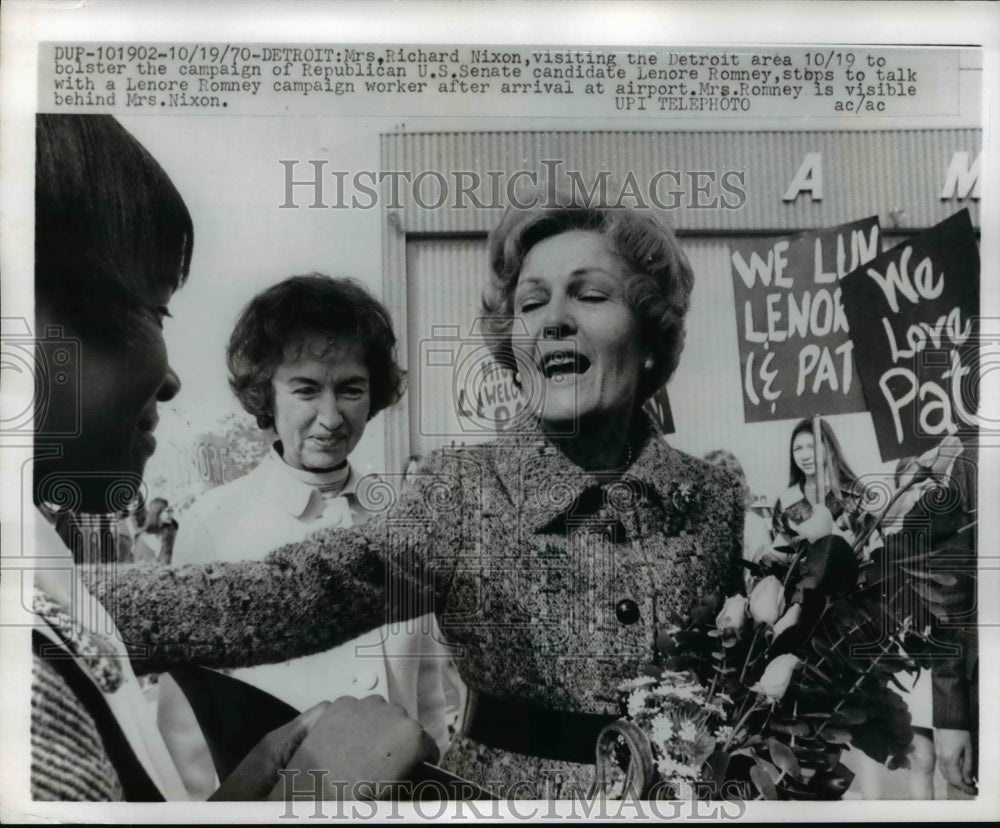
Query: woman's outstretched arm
pixel 301 599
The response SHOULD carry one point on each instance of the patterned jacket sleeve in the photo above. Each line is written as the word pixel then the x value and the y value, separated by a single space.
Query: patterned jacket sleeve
pixel 68 760
pixel 302 598
pixel 726 516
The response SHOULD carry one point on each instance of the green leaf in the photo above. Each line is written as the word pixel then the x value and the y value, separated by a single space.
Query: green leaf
pixel 943 578
pixel 840 660
pixel 836 736
pixel 718 764
pixel 771 769
pixel 814 669
pixel 783 757
pixel 791 728
pixel 927 593
pixel 848 716
pixel 762 781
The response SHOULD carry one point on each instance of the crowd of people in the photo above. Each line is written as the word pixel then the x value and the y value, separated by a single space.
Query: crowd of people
pixel 483 620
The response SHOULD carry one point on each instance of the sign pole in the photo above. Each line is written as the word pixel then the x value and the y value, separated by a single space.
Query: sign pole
pixel 820 460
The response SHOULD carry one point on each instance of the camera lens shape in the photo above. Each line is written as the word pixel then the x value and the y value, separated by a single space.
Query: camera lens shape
pixel 981 361
pixel 24 384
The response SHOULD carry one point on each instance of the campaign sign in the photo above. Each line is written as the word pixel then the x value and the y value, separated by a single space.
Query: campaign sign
pixel 796 354
pixel 659 409
pixel 913 314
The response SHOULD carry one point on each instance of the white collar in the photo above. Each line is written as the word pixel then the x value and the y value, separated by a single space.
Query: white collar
pixel 289 491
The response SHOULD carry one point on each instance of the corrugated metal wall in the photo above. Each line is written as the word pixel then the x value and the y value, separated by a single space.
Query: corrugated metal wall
pixel 443 282
pixel 864 173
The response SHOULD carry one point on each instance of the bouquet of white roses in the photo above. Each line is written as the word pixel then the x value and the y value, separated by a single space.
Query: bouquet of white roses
pixel 762 693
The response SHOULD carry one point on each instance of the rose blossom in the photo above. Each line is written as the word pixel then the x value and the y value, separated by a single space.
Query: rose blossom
pixel 732 615
pixel 789 619
pixel 777 676
pixel 767 600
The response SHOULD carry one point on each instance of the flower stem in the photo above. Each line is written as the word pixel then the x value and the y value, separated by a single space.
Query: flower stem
pixel 715 678
pixel 753 644
pixel 792 566
pixel 742 720
pixel 884 651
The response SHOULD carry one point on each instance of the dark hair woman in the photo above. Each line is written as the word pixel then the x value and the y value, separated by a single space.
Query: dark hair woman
pixel 809 470
pixel 313 359
pixel 300 312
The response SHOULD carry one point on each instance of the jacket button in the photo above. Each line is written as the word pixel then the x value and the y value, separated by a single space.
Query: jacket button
pixel 627 611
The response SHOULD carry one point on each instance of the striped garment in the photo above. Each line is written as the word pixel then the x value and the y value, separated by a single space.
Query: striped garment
pixel 68 759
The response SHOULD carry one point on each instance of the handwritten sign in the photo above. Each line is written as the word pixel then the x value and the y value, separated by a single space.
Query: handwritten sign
pixel 796 355
pixel 658 407
pixel 489 398
pixel 913 315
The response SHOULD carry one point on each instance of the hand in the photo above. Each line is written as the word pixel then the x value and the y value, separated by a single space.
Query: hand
pixel 257 775
pixel 954 756
pixel 361 745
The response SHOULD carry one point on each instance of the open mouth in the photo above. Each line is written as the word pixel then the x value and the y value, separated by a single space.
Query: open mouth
pixel 559 364
pixel 328 442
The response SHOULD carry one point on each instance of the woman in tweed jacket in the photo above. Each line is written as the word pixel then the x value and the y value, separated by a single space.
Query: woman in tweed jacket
pixel 550 556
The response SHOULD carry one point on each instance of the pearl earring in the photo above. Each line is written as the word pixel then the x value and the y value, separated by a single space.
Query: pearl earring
pixel 648 364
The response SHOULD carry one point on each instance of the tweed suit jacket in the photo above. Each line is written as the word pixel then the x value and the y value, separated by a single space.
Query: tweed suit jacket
pixel 524 556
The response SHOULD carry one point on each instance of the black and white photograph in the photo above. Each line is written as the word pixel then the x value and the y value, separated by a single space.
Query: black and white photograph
pixel 555 411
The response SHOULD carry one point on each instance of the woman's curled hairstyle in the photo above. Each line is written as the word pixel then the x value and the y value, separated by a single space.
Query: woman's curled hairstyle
pixel 658 284
pixel 292 314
